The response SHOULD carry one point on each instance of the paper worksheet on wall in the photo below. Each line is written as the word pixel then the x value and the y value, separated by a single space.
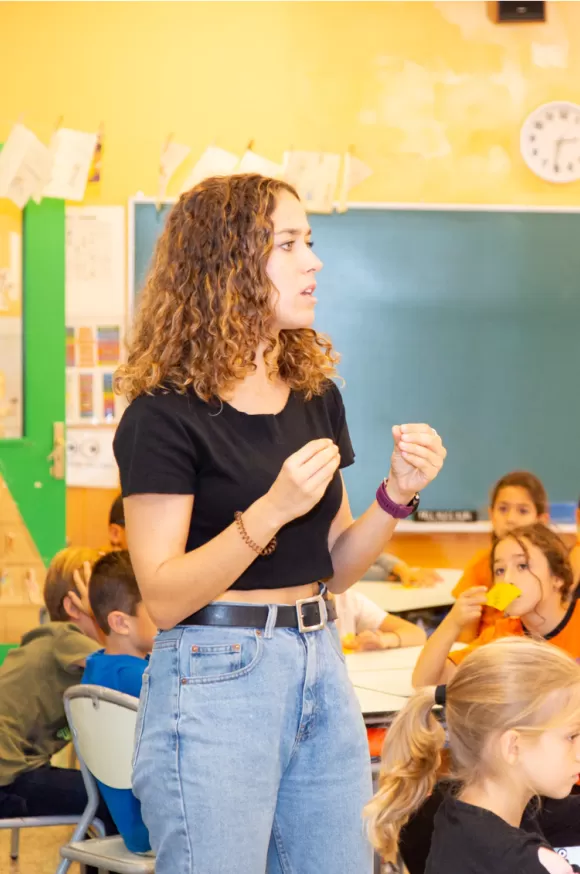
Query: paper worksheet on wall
pixel 95 312
pixel 90 462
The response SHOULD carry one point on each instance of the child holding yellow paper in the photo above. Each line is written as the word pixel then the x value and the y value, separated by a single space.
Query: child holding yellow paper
pixel 517 499
pixel 533 582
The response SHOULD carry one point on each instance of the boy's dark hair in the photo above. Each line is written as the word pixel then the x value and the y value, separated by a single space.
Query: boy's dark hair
pixel 113 587
pixel 116 513
pixel 523 479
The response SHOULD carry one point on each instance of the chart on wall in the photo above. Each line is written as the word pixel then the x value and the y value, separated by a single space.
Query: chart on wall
pixel 95 312
pixel 11 341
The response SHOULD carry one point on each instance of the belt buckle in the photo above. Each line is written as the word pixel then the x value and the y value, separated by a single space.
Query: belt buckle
pixel 315 599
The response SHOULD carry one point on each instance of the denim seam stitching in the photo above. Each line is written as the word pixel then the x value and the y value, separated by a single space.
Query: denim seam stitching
pixel 283 857
pixel 179 781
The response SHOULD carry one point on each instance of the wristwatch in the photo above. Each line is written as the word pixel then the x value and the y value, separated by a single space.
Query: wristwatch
pixel 397 511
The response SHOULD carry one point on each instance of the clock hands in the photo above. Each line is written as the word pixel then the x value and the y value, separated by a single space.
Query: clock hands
pixel 562 141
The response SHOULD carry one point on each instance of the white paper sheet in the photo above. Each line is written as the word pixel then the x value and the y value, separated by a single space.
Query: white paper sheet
pixel 315 177
pixel 213 162
pixel 25 166
pixel 253 163
pixel 354 171
pixel 90 462
pixel 172 156
pixel 72 154
pixel 95 265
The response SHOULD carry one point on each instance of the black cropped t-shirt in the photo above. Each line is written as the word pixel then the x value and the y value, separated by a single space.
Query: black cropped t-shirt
pixel 170 443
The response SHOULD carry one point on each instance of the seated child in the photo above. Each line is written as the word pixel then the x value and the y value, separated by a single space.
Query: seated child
pixel 513 714
pixel 389 567
pixel 535 560
pixel 363 625
pixel 121 615
pixel 517 499
pixel 33 680
pixel 117 533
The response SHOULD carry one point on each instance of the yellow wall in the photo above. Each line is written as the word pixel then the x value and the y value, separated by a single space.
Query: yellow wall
pixel 432 95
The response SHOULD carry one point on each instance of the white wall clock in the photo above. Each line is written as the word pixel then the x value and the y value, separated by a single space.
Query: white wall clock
pixel 550 141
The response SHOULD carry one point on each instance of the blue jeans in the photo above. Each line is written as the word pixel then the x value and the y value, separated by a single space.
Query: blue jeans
pixel 251 754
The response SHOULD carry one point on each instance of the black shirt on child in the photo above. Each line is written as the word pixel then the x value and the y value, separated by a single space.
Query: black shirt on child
pixel 472 840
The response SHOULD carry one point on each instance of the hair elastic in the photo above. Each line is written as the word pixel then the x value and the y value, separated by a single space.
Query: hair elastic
pixel 440 695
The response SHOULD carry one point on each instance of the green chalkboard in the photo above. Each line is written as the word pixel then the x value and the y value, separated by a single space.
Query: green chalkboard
pixel 469 320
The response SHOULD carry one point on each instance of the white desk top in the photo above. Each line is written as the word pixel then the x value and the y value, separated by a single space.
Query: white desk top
pixel 387 660
pixel 403 659
pixel 395 598
pixel 397 683
pixel 382 679
pixel 377 703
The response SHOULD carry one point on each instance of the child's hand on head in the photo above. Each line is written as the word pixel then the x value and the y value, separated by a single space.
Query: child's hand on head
pixel 82 580
pixel 468 607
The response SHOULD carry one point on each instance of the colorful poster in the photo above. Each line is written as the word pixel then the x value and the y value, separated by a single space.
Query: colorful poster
pixel 108 398
pixel 85 347
pixel 86 407
pixel 71 357
pixel 108 344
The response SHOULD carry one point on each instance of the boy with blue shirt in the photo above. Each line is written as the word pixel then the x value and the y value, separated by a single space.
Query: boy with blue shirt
pixel 121 615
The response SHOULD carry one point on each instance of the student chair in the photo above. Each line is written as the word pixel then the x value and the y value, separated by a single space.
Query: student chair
pixel 19 822
pixel 102 723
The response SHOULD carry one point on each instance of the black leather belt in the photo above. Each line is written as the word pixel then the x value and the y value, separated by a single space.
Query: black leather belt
pixel 309 614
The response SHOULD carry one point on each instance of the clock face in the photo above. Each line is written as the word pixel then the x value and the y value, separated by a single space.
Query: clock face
pixel 550 141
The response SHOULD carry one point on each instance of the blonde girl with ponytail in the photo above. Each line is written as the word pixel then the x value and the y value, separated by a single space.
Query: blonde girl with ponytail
pixel 513 716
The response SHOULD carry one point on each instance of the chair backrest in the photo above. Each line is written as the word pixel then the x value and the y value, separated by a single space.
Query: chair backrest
pixel 103 722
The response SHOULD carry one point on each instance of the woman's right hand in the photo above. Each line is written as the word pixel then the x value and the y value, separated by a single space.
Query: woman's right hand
pixel 303 479
pixel 468 607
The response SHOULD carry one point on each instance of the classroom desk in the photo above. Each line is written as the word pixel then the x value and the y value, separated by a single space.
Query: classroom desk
pixel 378 708
pixel 382 680
pixel 395 598
pixel 403 658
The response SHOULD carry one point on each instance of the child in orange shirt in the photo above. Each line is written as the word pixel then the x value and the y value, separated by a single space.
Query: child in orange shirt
pixel 517 499
pixel 536 561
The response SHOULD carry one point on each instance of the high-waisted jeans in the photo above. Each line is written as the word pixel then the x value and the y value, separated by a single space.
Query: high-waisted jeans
pixel 251 754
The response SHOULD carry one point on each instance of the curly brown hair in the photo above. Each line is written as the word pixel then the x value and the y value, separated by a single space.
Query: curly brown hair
pixel 556 552
pixel 208 302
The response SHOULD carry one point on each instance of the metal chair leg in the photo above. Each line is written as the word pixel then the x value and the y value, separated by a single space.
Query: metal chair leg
pixel 63 866
pixel 14 843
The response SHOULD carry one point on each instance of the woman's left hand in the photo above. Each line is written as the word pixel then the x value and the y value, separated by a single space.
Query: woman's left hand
pixel 417 458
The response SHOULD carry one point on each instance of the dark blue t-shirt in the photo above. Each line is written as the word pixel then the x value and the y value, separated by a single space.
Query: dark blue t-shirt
pixel 124 673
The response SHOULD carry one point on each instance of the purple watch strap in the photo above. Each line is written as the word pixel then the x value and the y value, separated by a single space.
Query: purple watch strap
pixel 397 511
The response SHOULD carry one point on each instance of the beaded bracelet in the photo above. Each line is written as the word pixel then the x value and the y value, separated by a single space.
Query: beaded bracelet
pixel 267 550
